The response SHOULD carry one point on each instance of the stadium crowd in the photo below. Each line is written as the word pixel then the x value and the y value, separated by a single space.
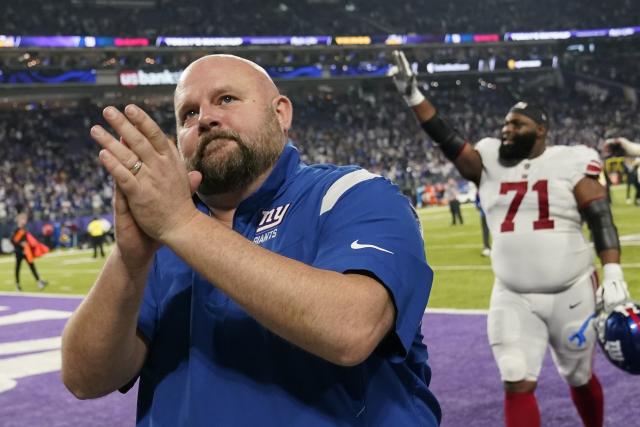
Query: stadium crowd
pixel 376 131
pixel 49 166
pixel 615 61
pixel 149 18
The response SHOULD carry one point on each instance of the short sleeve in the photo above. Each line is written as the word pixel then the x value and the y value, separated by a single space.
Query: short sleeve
pixel 585 161
pixel 488 148
pixel 372 227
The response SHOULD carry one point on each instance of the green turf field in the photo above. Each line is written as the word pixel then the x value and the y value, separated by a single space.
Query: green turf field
pixel 463 277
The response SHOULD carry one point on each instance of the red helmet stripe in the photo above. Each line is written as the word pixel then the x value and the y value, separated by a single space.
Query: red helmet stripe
pixel 634 316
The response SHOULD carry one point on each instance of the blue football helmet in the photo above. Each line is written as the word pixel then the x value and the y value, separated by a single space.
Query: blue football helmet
pixel 619 336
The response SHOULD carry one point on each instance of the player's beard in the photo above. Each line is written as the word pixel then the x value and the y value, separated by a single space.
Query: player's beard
pixel 239 166
pixel 520 148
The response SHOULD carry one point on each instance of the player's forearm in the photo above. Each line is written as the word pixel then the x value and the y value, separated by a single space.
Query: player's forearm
pixel 630 148
pixel 609 256
pixel 100 348
pixel 450 142
pixel 338 317
pixel 424 111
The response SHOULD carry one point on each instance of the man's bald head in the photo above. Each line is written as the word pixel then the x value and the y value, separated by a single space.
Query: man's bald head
pixel 234 64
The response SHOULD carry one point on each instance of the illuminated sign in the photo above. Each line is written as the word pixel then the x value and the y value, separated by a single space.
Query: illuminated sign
pixel 353 40
pixel 621 32
pixel 241 41
pixel 124 42
pixel 395 39
pixel 132 78
pixel 309 40
pixel 9 41
pixel 538 35
pixel 486 38
pixel 514 64
pixel 447 67
pixel 198 41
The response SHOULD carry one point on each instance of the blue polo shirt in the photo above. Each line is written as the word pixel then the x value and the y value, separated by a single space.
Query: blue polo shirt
pixel 212 364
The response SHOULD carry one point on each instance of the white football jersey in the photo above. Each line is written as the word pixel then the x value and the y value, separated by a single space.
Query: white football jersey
pixel 538 245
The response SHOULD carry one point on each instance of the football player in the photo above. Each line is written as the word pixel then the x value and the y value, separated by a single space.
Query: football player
pixel 545 287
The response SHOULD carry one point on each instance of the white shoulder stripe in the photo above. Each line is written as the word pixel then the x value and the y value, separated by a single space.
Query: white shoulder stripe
pixel 343 184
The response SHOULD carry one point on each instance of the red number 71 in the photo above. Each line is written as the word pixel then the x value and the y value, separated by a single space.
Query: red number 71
pixel 543 222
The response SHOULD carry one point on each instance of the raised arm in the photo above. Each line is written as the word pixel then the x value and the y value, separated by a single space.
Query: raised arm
pixel 466 159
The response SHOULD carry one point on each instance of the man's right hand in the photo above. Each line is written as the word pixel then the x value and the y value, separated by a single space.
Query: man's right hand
pixel 405 79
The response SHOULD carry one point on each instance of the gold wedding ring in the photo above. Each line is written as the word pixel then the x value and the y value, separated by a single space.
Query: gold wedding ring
pixel 136 167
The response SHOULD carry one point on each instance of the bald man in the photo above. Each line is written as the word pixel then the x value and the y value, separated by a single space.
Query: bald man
pixel 245 287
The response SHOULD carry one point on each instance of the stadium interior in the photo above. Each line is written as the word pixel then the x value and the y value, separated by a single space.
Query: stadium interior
pixel 61 66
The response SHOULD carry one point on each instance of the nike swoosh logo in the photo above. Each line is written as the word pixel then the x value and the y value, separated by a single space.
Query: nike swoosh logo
pixel 572 306
pixel 356 245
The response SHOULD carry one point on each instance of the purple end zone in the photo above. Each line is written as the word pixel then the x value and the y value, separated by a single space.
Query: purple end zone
pixel 465 379
pixel 42 400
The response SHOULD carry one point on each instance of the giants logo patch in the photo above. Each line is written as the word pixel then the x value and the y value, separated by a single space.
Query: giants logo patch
pixel 272 218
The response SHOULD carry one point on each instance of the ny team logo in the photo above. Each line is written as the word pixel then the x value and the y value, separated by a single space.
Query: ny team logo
pixel 272 218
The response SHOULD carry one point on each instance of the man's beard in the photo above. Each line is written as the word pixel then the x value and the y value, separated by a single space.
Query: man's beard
pixel 239 167
pixel 520 148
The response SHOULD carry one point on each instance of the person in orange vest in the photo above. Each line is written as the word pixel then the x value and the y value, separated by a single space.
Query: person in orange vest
pixel 27 248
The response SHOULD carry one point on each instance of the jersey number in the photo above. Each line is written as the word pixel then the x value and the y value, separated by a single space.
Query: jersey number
pixel 543 222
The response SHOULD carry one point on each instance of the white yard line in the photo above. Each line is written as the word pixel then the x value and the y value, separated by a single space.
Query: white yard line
pixel 39 295
pixel 54 254
pixel 429 310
